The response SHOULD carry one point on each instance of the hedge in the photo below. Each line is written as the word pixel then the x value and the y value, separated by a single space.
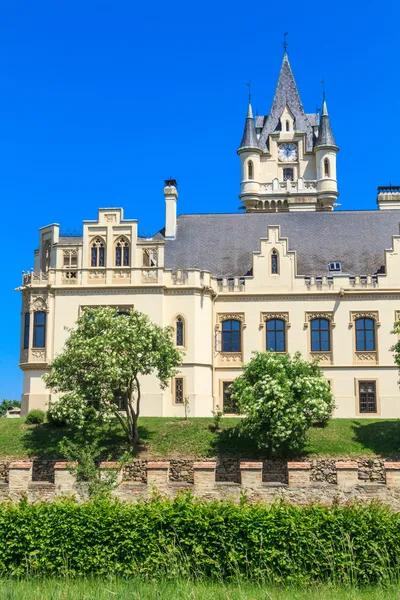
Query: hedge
pixel 185 537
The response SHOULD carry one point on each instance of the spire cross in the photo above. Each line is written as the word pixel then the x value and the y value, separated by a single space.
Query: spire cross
pixel 285 41
pixel 323 89
pixel 249 86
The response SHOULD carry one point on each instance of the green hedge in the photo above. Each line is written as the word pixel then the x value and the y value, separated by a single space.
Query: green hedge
pixel 186 537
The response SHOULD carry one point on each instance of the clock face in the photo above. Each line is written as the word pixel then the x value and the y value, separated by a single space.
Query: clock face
pixel 287 152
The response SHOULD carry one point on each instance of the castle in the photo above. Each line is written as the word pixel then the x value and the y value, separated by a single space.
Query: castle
pixel 289 273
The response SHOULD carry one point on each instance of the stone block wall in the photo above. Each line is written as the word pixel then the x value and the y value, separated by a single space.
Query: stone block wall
pixel 142 479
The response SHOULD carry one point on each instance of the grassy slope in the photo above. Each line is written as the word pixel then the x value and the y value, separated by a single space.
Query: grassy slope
pixel 177 438
pixel 97 589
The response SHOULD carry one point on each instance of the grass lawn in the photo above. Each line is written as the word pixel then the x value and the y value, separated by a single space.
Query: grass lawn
pixel 107 589
pixel 195 438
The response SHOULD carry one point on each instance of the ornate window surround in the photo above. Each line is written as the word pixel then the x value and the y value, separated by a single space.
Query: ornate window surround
pixel 357 381
pixel 269 316
pixel 369 357
pixel 230 359
pixel 184 322
pixel 125 244
pixel 325 358
pixel 97 241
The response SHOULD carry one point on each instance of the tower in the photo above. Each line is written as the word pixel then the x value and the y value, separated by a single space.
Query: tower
pixel 288 158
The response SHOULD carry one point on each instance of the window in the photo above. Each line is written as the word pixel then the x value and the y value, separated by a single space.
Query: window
pixel 320 335
pixel 365 335
pixel 276 335
pixel 27 322
pixel 274 263
pixel 229 405
pixel 367 396
pixel 180 332
pixel 122 253
pixel 97 253
pixel 250 170
pixel 288 175
pixel 39 330
pixel 70 258
pixel 178 391
pixel 46 250
pixel 287 126
pixel 150 257
pixel 326 168
pixel 335 267
pixel 231 334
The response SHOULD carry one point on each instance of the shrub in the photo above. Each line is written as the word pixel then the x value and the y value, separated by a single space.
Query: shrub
pixel 281 397
pixel 190 538
pixel 35 417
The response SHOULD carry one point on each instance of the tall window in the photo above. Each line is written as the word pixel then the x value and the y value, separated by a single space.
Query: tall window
pixel 150 257
pixel 274 263
pixel 27 321
pixel 365 335
pixel 180 332
pixel 178 391
pixel 46 253
pixel 288 175
pixel 250 170
pixel 320 335
pixel 231 336
pixel 326 168
pixel 122 253
pixel 287 126
pixel 367 396
pixel 276 335
pixel 70 258
pixel 229 405
pixel 39 329
pixel 98 253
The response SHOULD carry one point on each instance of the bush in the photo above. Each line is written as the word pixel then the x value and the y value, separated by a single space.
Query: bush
pixel 190 538
pixel 282 397
pixel 35 417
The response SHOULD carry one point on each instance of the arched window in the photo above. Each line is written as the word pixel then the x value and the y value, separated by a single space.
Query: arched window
pixel 46 250
pixel 231 336
pixel 276 335
pixel 122 253
pixel 274 263
pixel 250 170
pixel 320 335
pixel 179 332
pixel 97 253
pixel 39 329
pixel 365 335
pixel 287 126
pixel 327 168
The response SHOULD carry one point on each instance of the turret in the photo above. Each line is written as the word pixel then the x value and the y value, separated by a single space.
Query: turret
pixel 249 153
pixel 325 152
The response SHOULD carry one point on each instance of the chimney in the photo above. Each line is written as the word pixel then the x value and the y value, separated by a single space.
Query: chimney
pixel 388 197
pixel 171 196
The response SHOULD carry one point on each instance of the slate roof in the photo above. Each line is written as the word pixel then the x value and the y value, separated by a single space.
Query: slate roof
pixel 249 139
pixel 286 93
pixel 223 243
pixel 325 135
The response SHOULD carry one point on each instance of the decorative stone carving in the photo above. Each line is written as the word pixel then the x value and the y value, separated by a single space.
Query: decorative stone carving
pixel 38 354
pixel 366 357
pixel 39 303
pixel 323 357
pixel 230 357
pixel 24 355
pixel 97 274
pixel 69 277
pixel 149 275
pixel 26 303
pixel 372 314
pixel 121 274
pixel 310 316
pixel 229 317
pixel 267 316
pixel 110 218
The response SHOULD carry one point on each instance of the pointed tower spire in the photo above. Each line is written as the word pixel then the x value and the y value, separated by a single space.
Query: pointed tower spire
pixel 249 139
pixel 286 94
pixel 325 135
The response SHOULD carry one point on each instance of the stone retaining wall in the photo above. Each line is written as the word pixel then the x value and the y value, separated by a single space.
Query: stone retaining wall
pixel 348 480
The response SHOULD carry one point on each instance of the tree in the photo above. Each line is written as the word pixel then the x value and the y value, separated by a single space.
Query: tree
pixel 6 404
pixel 281 397
pixel 102 363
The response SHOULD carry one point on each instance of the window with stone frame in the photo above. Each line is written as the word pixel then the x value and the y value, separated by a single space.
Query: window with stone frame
pixel 39 329
pixel 276 335
pixel 150 257
pixel 288 175
pixel 231 336
pixel 122 253
pixel 229 405
pixel 70 259
pixel 27 321
pixel 180 332
pixel 367 396
pixel 320 335
pixel 274 263
pixel 178 390
pixel 365 334
pixel 98 253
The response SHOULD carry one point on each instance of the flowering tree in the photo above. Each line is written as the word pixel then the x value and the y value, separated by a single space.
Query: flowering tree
pixel 282 397
pixel 101 365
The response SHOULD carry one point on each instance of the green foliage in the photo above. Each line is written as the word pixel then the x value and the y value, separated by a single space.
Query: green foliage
pixel 95 482
pixel 281 396
pixel 35 417
pixel 217 418
pixel 189 538
pixel 101 364
pixel 6 404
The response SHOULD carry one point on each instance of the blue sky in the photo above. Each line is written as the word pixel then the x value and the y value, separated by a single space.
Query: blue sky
pixel 102 100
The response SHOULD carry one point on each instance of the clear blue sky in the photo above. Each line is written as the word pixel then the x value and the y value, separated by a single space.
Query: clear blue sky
pixel 102 100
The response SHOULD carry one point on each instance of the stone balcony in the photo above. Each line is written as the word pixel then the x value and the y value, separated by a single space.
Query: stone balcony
pixel 300 186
